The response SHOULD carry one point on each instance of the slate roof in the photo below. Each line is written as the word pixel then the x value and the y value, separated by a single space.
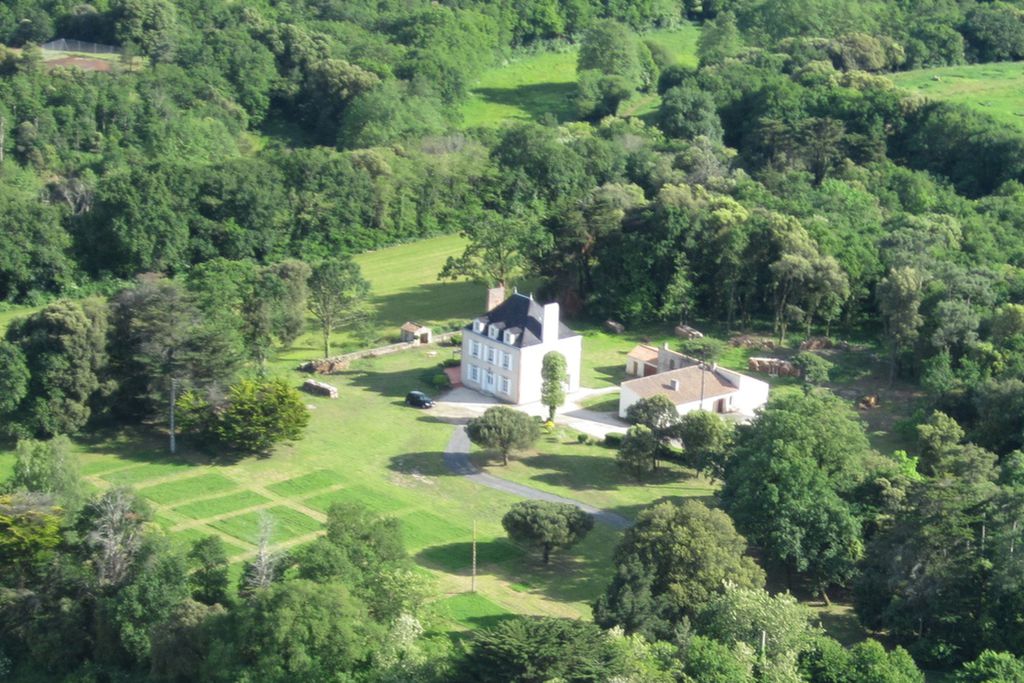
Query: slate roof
pixel 522 316
pixel 689 385
pixel 412 327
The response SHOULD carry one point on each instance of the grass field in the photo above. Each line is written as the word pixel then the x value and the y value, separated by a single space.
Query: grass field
pixel 996 89
pixel 528 87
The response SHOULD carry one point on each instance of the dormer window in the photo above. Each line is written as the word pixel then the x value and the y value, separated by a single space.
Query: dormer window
pixel 478 326
pixel 492 332
pixel 510 338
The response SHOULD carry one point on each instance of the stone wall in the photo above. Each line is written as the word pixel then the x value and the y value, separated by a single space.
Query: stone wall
pixel 334 364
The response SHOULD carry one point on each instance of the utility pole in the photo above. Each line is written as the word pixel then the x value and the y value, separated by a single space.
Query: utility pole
pixel 174 386
pixel 472 581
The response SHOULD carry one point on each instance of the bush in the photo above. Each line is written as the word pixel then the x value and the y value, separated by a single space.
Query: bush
pixel 455 340
pixel 255 416
pixel 441 381
pixel 613 439
pixel 582 438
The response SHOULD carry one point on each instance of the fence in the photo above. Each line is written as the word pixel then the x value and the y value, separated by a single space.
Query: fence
pixel 71 45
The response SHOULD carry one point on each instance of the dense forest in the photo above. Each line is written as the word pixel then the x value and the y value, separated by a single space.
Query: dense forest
pixel 174 215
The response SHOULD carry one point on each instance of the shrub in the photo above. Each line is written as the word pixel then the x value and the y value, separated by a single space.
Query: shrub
pixel 613 439
pixel 451 363
pixel 441 381
pixel 455 340
pixel 255 416
pixel 582 438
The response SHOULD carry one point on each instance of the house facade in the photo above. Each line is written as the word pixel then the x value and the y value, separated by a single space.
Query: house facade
pixel 692 385
pixel 503 349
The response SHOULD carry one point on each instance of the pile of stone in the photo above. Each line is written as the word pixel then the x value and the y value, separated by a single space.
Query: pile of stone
pixel 687 332
pixel 614 327
pixel 312 386
pixel 325 366
pixel 746 341
pixel 777 367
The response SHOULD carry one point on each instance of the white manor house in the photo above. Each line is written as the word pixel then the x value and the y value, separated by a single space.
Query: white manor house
pixel 503 349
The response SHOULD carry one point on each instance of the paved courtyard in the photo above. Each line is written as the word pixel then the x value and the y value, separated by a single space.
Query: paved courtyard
pixel 466 403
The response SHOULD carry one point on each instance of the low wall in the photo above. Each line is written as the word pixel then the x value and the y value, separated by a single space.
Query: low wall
pixel 327 366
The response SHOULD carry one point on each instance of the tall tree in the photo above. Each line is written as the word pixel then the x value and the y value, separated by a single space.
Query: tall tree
pixel 899 301
pixel 65 353
pixel 338 296
pixel 554 375
pixel 670 564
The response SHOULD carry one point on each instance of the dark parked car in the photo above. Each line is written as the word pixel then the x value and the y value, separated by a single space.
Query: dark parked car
pixel 418 399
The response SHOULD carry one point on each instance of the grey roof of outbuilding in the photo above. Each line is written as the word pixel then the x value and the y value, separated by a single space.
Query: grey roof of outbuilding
pixel 522 316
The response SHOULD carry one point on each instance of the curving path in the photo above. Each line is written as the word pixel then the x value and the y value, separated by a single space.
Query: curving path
pixel 456 458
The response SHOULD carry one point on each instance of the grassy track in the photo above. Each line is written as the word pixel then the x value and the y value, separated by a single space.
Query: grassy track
pixel 996 89
pixel 530 86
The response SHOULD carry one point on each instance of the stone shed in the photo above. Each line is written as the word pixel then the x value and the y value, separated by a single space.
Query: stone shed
pixel 414 332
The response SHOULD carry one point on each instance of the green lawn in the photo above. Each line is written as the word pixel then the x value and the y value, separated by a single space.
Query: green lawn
pixel 563 466
pixel 527 87
pixel 404 287
pixel 996 89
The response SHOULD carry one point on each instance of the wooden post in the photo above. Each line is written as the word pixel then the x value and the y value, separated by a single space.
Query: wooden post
pixel 472 581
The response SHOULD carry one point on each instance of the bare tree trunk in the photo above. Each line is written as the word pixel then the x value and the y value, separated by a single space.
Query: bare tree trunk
pixel 3 137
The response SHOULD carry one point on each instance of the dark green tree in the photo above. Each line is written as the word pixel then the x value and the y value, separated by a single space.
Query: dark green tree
pixel 670 564
pixel 209 576
pixel 638 451
pixel 546 525
pixel 503 430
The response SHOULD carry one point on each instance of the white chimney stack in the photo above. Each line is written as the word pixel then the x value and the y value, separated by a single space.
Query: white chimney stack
pixel 549 324
pixel 674 384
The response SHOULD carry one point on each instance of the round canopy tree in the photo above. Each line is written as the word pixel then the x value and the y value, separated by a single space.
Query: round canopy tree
pixel 671 563
pixel 504 430
pixel 547 525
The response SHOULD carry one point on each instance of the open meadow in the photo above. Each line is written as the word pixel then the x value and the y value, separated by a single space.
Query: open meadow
pixel 529 86
pixel 995 88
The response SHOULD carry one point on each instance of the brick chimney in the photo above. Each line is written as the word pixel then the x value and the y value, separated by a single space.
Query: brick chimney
pixel 549 330
pixel 495 296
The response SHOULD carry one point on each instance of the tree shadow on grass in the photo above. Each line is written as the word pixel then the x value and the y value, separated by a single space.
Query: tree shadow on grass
pixel 592 472
pixel 613 374
pixel 573 575
pixel 536 99
pixel 394 384
pixel 427 463
pixel 437 301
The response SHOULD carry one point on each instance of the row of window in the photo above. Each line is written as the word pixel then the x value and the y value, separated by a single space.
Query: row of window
pixel 493 332
pixel 489 380
pixel 490 354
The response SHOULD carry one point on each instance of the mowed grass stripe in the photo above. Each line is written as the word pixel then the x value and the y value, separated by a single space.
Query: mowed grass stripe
pixel 141 473
pixel 307 483
pixel 421 529
pixel 104 466
pixel 211 507
pixel 381 502
pixel 471 610
pixel 286 523
pixel 191 487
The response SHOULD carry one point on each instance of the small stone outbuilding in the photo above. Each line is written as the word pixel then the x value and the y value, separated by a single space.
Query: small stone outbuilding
pixel 414 332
